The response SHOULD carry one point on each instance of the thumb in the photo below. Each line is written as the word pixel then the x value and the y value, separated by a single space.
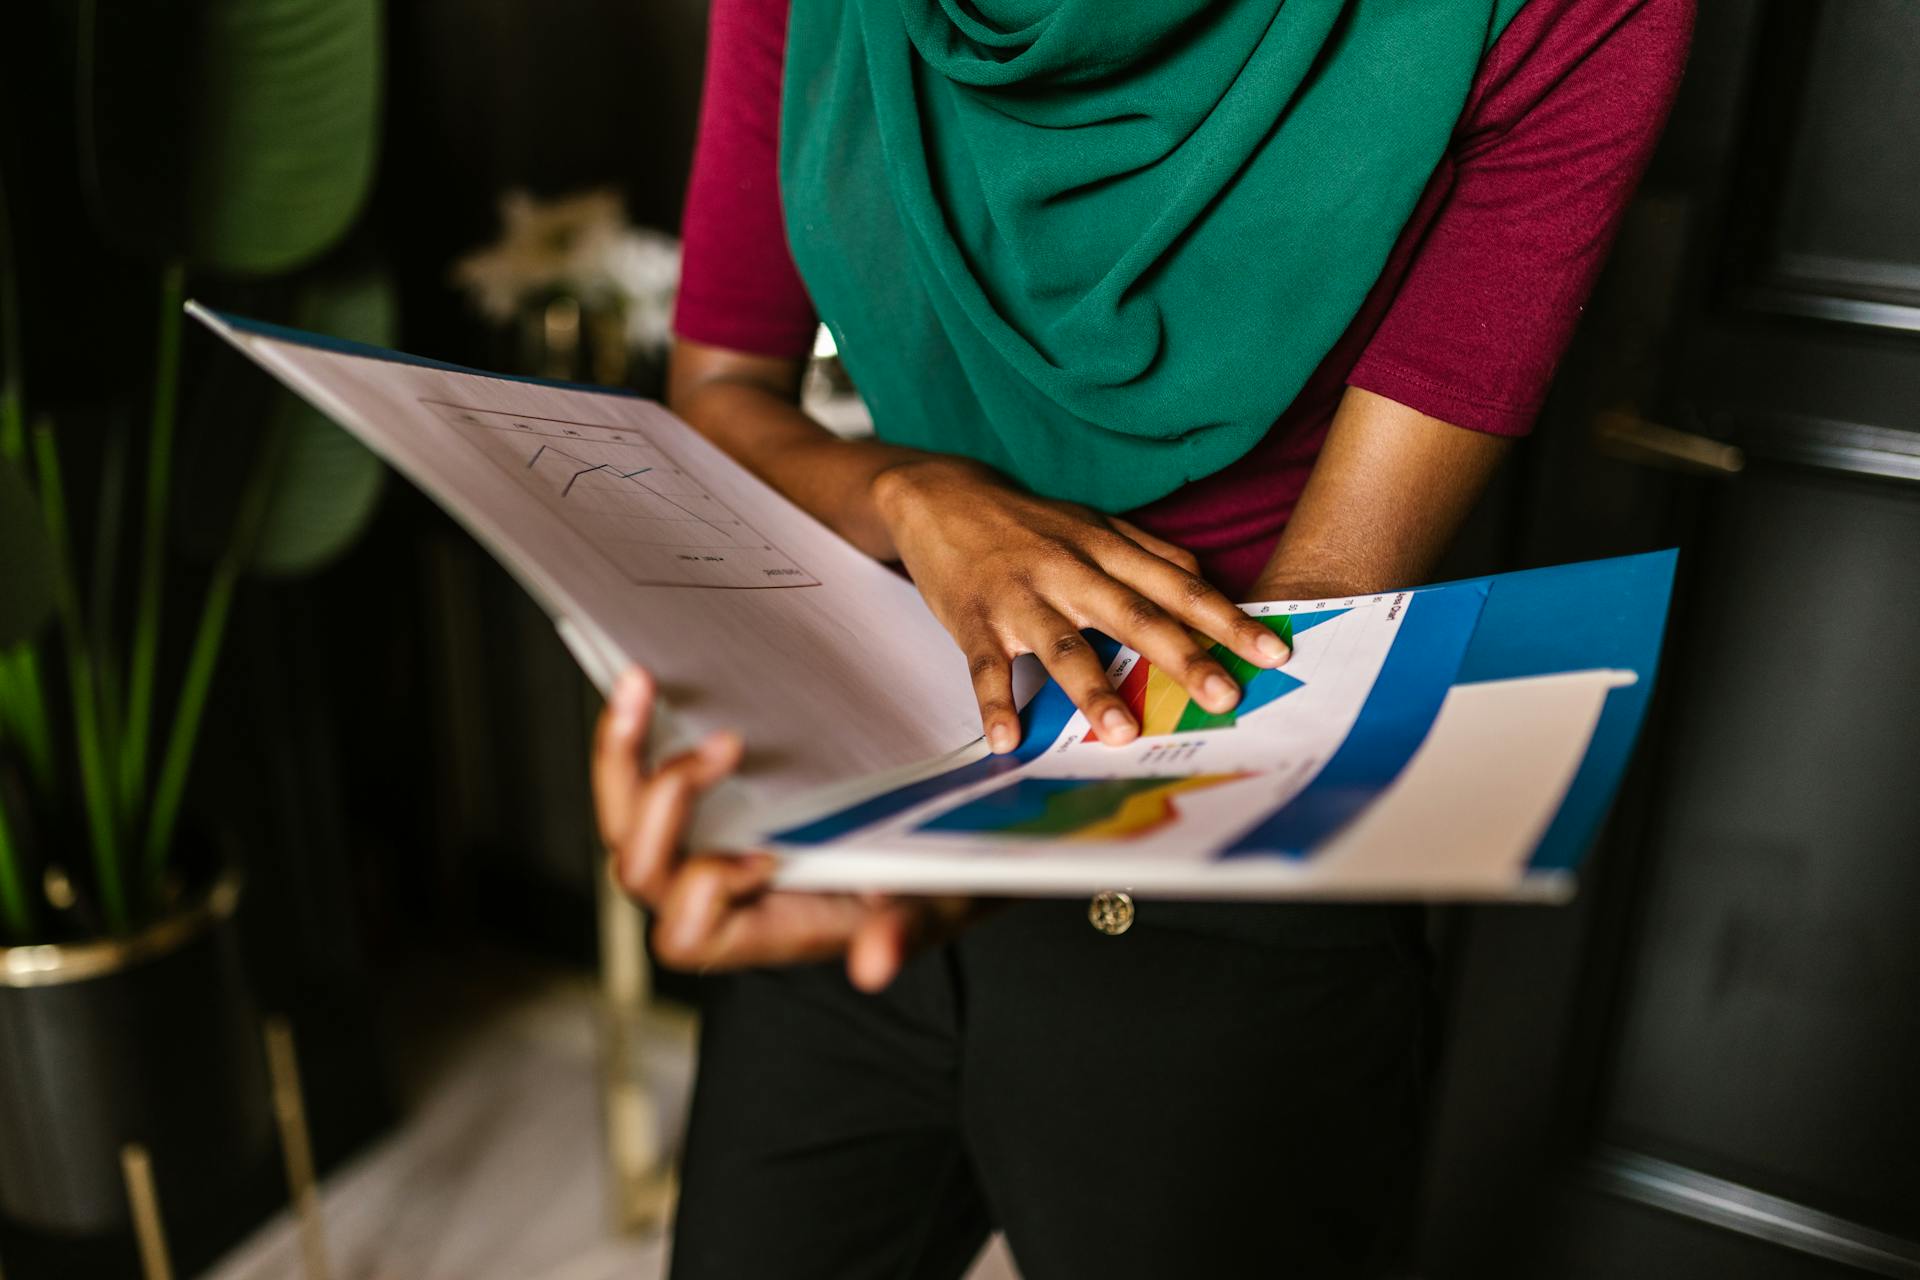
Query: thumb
pixel 882 942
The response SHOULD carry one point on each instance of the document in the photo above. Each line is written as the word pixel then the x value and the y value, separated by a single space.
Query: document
pixel 1441 742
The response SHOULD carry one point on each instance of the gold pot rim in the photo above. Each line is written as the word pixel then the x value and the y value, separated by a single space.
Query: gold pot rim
pixel 50 964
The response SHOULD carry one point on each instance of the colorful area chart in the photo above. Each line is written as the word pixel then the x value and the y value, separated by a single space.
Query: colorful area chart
pixel 1162 705
pixel 1075 808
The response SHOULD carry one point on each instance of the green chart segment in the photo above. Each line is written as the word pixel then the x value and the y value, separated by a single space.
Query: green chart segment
pixel 1163 707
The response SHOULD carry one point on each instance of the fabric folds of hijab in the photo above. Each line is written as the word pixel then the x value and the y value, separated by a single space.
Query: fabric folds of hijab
pixel 1102 244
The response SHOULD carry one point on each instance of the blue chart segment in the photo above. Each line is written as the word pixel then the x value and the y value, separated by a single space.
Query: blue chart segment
pixel 627 497
pixel 1268 687
pixel 1260 686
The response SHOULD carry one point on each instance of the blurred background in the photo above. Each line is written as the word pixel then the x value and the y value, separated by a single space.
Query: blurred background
pixel 305 963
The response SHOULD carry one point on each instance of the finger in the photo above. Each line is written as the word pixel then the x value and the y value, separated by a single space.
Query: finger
pixel 882 943
pixel 779 928
pixel 1074 666
pixel 992 673
pixel 664 806
pixel 645 863
pixel 1196 602
pixel 700 899
pixel 897 927
pixel 720 915
pixel 1159 546
pixel 717 756
pixel 1153 633
pixel 619 753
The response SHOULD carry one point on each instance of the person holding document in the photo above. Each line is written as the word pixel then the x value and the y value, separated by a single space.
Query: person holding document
pixel 1157 307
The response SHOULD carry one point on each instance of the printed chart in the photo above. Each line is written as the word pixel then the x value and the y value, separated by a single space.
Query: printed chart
pixel 628 498
pixel 1162 706
pixel 1076 808
pixel 1303 743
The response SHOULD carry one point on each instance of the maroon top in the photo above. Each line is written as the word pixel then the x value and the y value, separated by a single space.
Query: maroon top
pixel 1466 323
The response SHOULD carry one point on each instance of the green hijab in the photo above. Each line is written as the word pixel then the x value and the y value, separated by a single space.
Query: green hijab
pixel 1101 244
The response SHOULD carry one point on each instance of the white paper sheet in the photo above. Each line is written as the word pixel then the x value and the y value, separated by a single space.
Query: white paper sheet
pixel 693 567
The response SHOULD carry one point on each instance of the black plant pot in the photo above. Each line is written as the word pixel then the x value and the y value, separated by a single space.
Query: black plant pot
pixel 151 1039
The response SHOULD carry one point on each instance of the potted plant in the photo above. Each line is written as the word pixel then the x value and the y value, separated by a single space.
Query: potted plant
pixel 229 146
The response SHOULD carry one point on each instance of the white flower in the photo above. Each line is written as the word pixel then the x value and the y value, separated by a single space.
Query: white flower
pixel 641 269
pixel 583 246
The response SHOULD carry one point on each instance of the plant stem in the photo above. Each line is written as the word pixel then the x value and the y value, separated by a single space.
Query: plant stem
pixel 24 703
pixel 205 657
pixel 146 627
pixel 93 767
pixel 16 910
pixel 171 782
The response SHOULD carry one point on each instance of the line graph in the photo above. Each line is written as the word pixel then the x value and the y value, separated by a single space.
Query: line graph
pixel 627 497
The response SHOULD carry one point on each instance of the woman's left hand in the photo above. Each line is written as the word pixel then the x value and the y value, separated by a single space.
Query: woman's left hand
pixel 718 910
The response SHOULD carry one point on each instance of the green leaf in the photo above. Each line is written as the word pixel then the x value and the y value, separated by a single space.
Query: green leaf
pixel 326 484
pixel 26 561
pixel 240 135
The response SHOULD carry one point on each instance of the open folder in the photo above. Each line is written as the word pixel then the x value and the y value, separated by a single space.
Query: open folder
pixel 1454 741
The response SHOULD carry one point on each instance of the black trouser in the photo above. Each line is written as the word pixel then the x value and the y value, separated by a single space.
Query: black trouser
pixel 1220 1091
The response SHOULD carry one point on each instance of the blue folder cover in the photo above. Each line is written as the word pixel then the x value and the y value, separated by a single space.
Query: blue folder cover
pixel 1578 617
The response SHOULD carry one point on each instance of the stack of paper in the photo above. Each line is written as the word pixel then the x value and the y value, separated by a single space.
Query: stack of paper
pixel 1452 741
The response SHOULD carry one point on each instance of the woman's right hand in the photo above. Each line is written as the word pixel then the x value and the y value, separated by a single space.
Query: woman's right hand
pixel 1009 573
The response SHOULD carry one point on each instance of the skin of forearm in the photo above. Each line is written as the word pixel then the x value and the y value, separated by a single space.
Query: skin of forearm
pixel 1390 489
pixel 1388 493
pixel 749 407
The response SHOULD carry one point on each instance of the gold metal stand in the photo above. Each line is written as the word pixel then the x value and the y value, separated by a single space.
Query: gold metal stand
pixel 640 1175
pixel 137 1168
pixel 290 1115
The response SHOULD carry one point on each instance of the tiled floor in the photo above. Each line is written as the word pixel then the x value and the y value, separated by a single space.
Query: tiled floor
pixel 496 1172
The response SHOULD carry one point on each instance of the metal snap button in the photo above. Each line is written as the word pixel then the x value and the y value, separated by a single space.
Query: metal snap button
pixel 1111 912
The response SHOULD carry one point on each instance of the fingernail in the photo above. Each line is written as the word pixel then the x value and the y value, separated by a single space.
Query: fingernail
pixel 626 703
pixel 1222 692
pixel 1272 647
pixel 1117 723
pixel 1001 738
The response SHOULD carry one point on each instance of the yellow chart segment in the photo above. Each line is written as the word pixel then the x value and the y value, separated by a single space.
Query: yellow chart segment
pixel 1162 705
pixel 1148 810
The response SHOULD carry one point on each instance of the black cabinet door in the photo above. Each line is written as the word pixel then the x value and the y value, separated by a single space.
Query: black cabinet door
pixel 1710 1065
